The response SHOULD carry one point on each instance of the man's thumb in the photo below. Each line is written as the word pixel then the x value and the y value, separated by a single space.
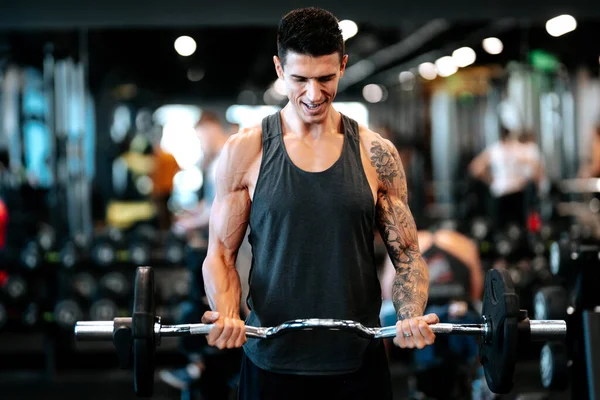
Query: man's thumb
pixel 431 319
pixel 210 317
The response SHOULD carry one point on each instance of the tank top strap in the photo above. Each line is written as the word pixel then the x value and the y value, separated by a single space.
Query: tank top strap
pixel 350 129
pixel 271 127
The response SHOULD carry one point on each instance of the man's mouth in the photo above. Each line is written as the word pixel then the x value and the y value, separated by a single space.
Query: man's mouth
pixel 313 106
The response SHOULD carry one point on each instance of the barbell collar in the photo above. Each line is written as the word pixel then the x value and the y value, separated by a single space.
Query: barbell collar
pixel 547 330
pixel 101 330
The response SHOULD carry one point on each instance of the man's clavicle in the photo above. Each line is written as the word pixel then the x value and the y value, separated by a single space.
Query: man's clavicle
pixel 314 155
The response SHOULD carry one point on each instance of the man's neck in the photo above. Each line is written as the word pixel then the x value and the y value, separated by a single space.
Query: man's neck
pixel 293 123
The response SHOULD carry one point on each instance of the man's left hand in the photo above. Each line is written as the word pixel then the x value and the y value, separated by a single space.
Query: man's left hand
pixel 415 332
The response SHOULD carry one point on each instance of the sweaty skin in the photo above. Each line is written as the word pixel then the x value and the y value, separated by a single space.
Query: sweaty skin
pixel 313 141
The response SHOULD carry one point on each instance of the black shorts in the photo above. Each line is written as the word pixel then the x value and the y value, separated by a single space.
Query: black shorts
pixel 372 381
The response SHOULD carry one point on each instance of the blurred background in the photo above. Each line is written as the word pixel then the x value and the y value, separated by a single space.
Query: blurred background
pixel 100 155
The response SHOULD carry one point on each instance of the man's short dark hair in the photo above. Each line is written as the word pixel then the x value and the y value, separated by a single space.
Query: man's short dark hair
pixel 309 31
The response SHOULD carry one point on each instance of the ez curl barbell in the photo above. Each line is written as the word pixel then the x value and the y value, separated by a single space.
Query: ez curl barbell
pixel 504 328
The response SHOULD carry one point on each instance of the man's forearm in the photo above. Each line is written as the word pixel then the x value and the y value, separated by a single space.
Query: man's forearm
pixel 222 285
pixel 410 289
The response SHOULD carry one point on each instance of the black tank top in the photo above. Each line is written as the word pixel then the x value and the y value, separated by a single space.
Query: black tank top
pixel 449 277
pixel 312 244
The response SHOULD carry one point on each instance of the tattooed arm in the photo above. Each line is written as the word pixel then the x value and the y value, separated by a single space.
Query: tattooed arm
pixel 397 226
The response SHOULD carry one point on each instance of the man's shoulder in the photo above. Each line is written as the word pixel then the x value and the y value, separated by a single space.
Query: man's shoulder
pixel 371 139
pixel 245 140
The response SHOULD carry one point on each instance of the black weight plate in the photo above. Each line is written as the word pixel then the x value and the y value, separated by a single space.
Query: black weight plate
pixel 143 367
pixel 144 345
pixel 498 353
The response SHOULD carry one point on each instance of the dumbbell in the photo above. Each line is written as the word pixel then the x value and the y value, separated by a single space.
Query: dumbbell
pixel 554 366
pixel 551 302
pixel 567 256
pixel 480 229
pixel 35 250
pixel 508 241
pixel 71 254
pixel 103 310
pixel 46 238
pixel 139 252
pixel 84 285
pixel 504 246
pixel 31 315
pixel 174 250
pixel 31 255
pixel 141 241
pixel 67 312
pixel 115 285
pixel 15 288
pixel 104 251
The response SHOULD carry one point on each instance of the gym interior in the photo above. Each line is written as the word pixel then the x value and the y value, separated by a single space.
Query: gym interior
pixel 103 171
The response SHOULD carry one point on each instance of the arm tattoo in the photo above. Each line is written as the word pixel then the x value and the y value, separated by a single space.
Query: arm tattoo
pixel 384 163
pixel 398 230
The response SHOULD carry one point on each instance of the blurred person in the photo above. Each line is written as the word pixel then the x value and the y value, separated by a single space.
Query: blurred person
pixel 212 136
pixel 455 292
pixel 514 172
pixel 216 380
pixel 313 185
pixel 591 167
pixel 164 169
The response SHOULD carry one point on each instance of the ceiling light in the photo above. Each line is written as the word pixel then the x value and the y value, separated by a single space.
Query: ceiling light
pixel 373 93
pixel 560 25
pixel 185 46
pixel 348 28
pixel 492 45
pixel 428 71
pixel 407 80
pixel 446 66
pixel 464 56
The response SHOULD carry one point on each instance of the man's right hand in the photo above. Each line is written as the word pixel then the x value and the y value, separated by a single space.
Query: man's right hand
pixel 227 333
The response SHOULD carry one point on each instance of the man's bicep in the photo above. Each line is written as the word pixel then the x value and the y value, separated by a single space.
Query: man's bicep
pixel 394 219
pixel 228 223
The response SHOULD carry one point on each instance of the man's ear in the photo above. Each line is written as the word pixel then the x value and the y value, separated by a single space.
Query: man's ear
pixel 343 66
pixel 278 67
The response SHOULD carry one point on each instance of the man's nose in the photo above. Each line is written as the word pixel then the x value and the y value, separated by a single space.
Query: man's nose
pixel 313 91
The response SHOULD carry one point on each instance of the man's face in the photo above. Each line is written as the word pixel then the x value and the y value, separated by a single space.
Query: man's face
pixel 311 82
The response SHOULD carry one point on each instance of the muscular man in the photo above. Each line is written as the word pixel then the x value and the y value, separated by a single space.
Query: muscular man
pixel 312 185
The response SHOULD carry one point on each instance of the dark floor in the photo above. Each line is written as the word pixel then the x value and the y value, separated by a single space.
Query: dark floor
pixel 92 374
